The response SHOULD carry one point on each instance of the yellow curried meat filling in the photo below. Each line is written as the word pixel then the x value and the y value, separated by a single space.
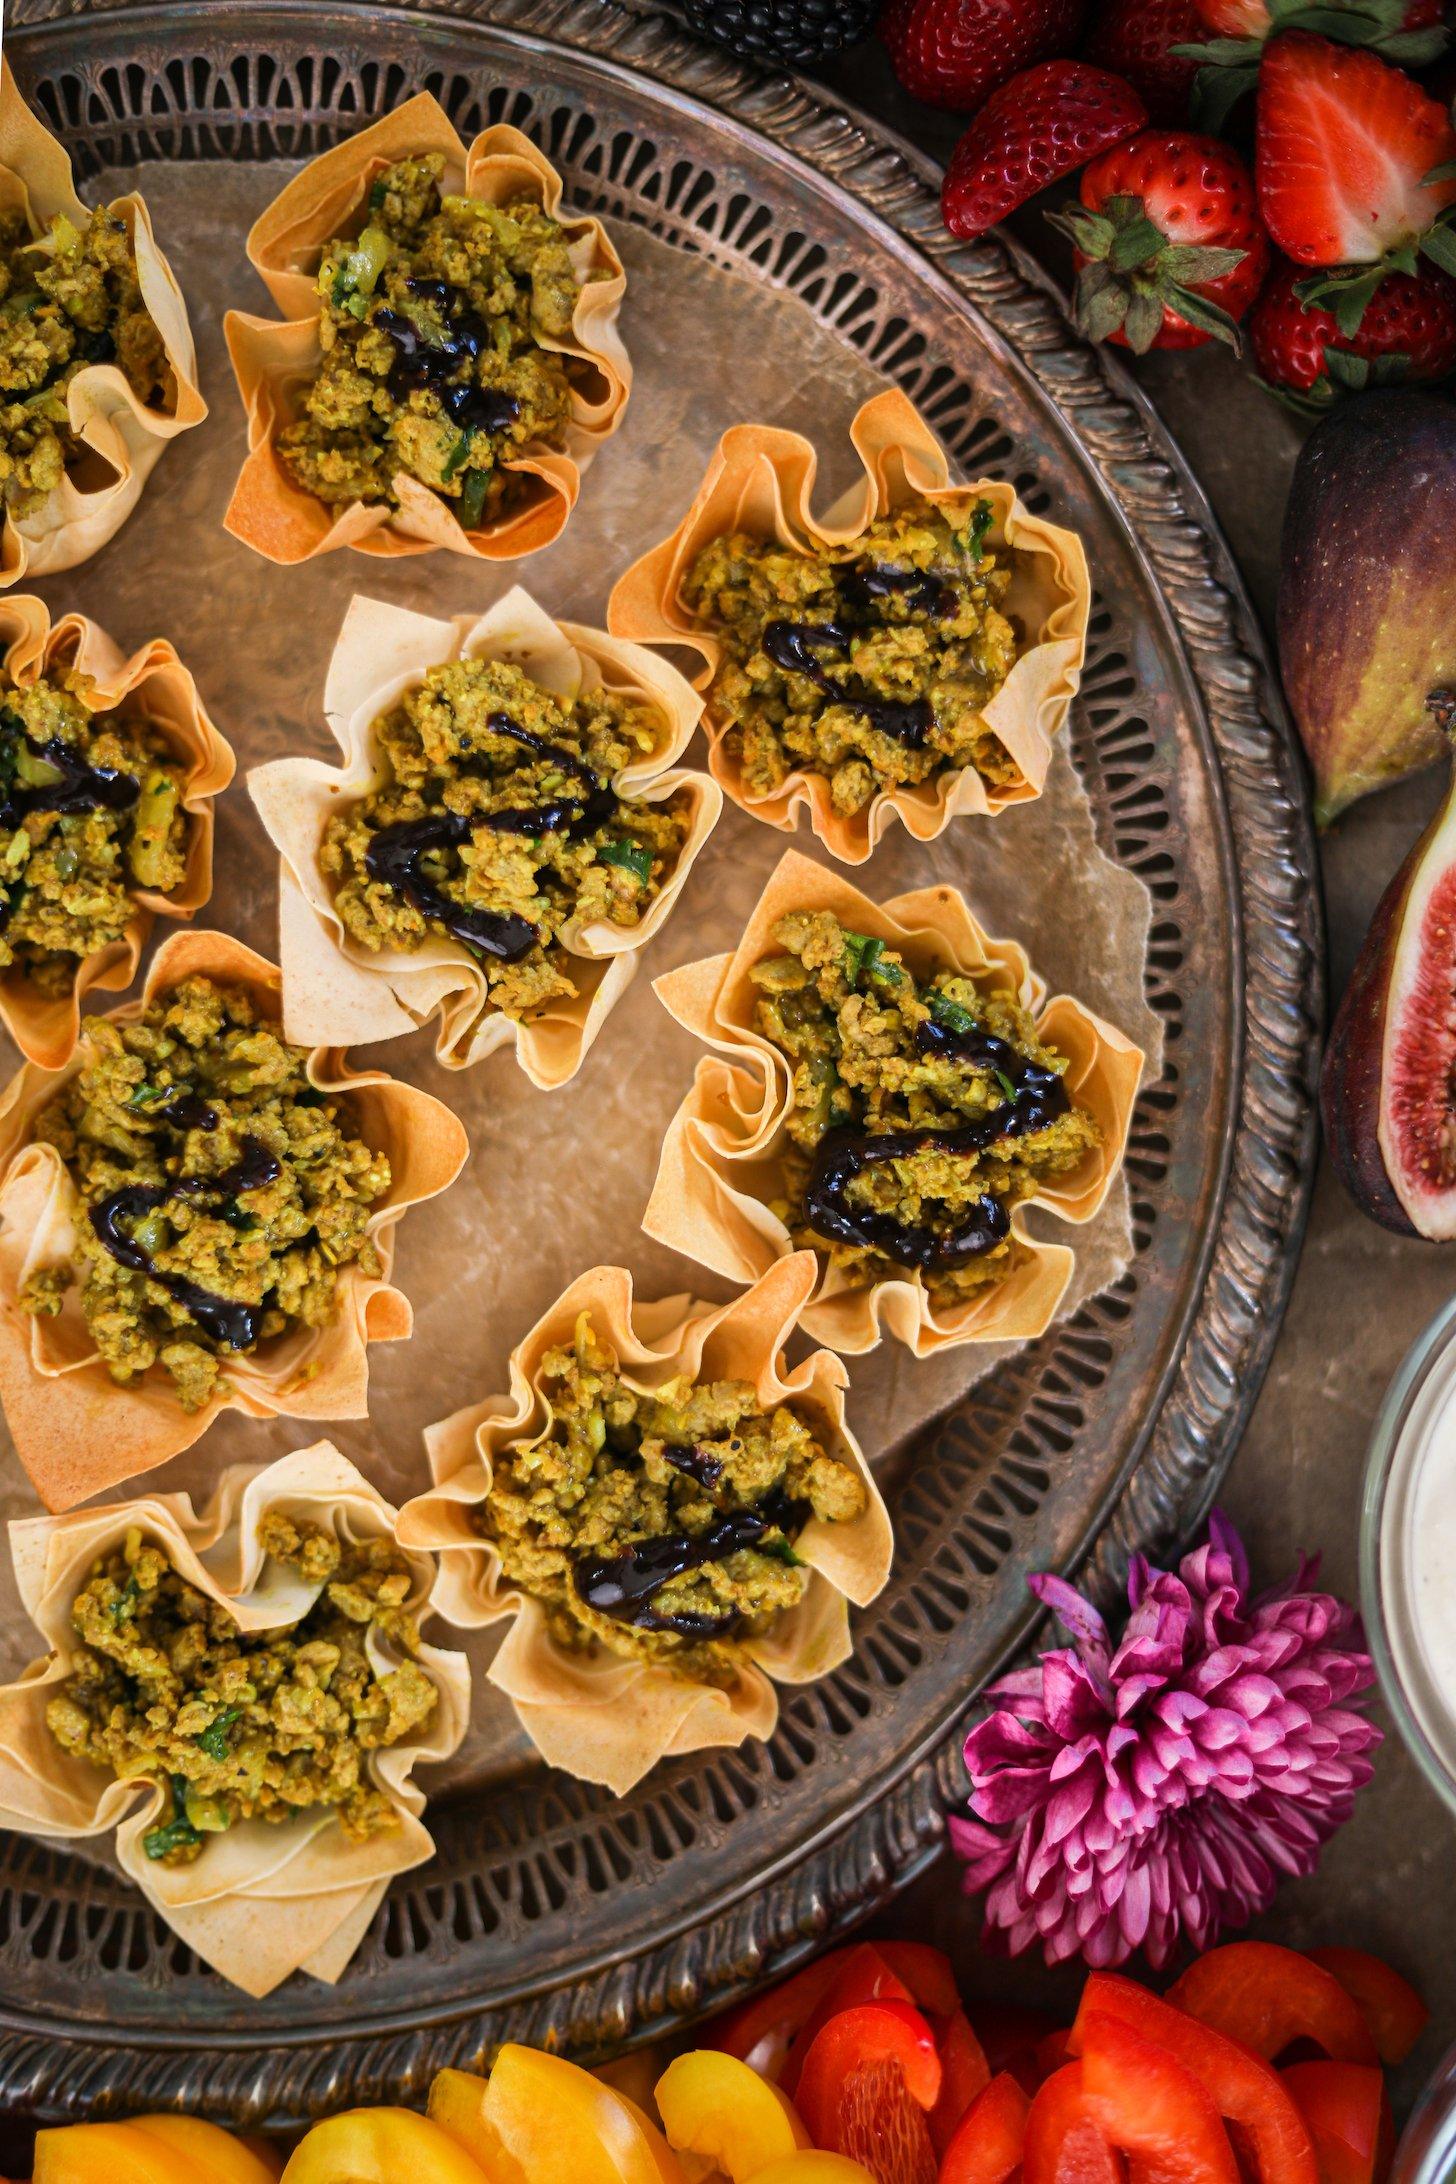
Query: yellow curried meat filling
pixel 240 1725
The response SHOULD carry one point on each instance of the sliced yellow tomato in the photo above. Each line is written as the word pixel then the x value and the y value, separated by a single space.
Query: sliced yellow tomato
pixel 561 2125
pixel 210 2155
pixel 712 2104
pixel 633 2075
pixel 457 2105
pixel 380 2146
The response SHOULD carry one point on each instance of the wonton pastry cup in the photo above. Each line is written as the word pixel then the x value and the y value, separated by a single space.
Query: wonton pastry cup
pixel 152 686
pixel 720 1162
pixel 761 481
pixel 260 1901
pixel 272 360
pixel 125 438
pixel 335 992
pixel 599 1715
pixel 75 1430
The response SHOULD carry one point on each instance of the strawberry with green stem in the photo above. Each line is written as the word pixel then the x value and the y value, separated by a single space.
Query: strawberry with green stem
pixel 1233 33
pixel 1407 336
pixel 1170 248
pixel 1356 171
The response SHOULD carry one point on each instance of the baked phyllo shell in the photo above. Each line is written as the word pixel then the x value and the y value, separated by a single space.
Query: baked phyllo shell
pixel 336 993
pixel 260 1901
pixel 594 1713
pixel 124 436
pixel 152 687
pixel 721 1162
pixel 273 360
pixel 75 1430
pixel 760 481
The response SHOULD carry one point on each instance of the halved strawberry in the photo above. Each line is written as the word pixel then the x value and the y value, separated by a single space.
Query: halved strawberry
pixel 1043 124
pixel 1345 148
pixel 1411 33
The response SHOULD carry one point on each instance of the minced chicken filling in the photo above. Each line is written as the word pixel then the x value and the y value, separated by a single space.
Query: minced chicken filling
pixel 90 811
pixel 922 1112
pixel 870 663
pixel 496 825
pixel 68 298
pixel 661 1526
pixel 245 1725
pixel 431 322
pixel 220 1194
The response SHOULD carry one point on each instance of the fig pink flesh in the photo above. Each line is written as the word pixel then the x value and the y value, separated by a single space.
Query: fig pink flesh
pixel 1418 1073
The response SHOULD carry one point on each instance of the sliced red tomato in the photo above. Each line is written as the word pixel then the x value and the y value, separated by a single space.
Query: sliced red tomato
pixel 1009 2035
pixel 1151 2108
pixel 1344 2105
pixel 876 2123
pixel 855 2040
pixel 926 1972
pixel 964 2075
pixel 1065 2144
pixel 762 2029
pixel 862 1976
pixel 1245 2090
pixel 988 2143
pixel 1270 1997
pixel 1393 2011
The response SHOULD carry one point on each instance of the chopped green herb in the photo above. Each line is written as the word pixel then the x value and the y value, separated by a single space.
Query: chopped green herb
pixel 355 281
pixel 178 1832
pixel 213 1739
pixel 457 458
pixel 237 1217
pixel 473 488
pixel 633 856
pixel 983 515
pixel 779 1550
pixel 121 1607
pixel 863 958
pixel 950 1015
pixel 1005 1083
pixel 378 194
pixel 147 1095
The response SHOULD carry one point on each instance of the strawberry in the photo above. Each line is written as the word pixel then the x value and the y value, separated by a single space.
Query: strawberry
pixel 1407 334
pixel 1410 33
pixel 1170 247
pixel 1041 125
pixel 955 52
pixel 1137 40
pixel 1345 148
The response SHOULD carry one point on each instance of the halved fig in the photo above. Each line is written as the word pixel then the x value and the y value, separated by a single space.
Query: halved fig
pixel 1388 1092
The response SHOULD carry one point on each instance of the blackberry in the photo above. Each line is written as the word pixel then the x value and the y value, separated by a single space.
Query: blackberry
pixel 782 33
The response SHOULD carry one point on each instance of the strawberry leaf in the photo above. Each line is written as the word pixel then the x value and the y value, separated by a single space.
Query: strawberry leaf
pixel 1102 302
pixel 1439 245
pixel 1196 264
pixel 1345 290
pixel 1092 233
pixel 1202 312
pixel 1136 243
pixel 1216 92
pixel 1143 322
pixel 1446 173
pixel 1346 370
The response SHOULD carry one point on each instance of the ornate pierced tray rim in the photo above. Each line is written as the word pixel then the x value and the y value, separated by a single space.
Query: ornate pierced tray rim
pixel 1214 1367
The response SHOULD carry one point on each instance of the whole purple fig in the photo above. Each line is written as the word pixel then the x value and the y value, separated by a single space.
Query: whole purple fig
pixel 1367 591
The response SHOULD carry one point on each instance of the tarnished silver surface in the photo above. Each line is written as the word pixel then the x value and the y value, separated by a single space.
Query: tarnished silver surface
pixel 553 1913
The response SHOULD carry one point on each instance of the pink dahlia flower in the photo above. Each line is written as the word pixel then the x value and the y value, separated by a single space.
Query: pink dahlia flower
pixel 1126 1797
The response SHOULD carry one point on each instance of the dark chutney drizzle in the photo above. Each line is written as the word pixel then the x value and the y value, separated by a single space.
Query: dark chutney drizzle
pixel 1038 1097
pixel 234 1325
pixel 794 647
pixel 396 852
pixel 81 787
pixel 422 362
pixel 625 1585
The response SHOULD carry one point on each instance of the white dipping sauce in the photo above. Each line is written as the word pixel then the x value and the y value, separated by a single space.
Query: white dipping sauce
pixel 1418 1560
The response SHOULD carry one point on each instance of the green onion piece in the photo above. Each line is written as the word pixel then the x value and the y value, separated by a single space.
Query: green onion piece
pixel 950 1015
pixel 1005 1083
pixel 358 276
pixel 147 1095
pixel 458 456
pixel 631 855
pixel 983 515
pixel 473 488
pixel 178 1833
pixel 780 1550
pixel 213 1739
pixel 863 953
pixel 378 194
